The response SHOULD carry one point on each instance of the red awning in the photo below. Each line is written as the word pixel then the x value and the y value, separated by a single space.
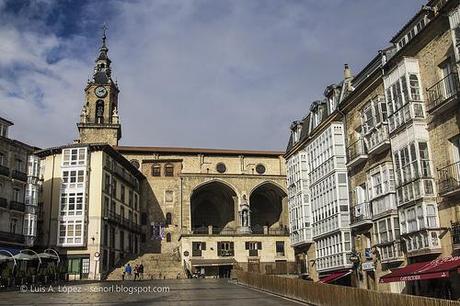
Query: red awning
pixel 334 276
pixel 438 268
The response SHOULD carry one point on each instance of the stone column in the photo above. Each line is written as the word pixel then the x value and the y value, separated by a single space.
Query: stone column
pixel 236 216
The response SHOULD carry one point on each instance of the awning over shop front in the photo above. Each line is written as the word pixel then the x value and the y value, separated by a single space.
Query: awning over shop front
pixel 438 268
pixel 212 262
pixel 334 276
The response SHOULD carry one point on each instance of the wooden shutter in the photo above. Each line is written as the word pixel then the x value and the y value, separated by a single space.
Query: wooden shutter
pixel 259 245
pixel 247 245
pixel 203 246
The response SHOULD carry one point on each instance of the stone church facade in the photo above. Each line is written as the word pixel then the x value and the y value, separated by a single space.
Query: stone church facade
pixel 204 211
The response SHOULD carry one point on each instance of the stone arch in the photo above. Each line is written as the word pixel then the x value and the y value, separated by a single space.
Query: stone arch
pixel 231 186
pixel 266 202
pixel 212 203
pixel 268 182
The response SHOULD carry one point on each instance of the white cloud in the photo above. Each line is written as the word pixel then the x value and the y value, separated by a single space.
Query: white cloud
pixel 192 73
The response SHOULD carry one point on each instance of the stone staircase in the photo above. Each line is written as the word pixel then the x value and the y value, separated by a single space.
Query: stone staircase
pixel 156 266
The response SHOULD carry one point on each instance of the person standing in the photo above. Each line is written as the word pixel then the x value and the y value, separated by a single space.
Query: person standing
pixel 141 271
pixel 136 272
pixel 128 270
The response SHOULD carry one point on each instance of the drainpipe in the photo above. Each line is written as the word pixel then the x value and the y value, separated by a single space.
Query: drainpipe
pixel 180 201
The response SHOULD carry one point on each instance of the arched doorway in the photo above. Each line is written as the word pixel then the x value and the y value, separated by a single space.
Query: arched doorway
pixel 266 204
pixel 213 204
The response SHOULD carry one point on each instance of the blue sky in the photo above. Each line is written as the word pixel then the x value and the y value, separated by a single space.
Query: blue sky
pixel 215 73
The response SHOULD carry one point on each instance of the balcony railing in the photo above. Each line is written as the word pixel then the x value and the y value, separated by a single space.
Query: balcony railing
pixel 225 253
pixel 196 253
pixel 123 174
pixel 123 222
pixel 422 242
pixel 378 139
pixel 361 214
pixel 4 170
pixel 455 233
pixel 391 252
pixel 449 179
pixel 19 175
pixel 3 203
pixel 255 230
pixel 11 237
pixel 356 152
pixel 408 112
pixel 253 252
pixel 443 90
pixel 18 206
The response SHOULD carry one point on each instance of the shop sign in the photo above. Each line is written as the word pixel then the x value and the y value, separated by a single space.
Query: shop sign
pixel 369 265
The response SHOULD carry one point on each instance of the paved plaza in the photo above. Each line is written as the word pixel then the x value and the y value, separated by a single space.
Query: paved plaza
pixel 174 292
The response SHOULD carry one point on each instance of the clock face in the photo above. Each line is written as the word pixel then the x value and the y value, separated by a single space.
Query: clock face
pixel 100 91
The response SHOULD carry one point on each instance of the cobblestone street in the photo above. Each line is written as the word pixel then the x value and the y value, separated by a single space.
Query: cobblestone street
pixel 181 292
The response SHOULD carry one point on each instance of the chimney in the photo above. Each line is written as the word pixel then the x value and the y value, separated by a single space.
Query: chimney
pixel 347 73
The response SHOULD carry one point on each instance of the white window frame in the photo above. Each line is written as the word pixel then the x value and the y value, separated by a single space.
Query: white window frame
pixel 67 235
pixel 74 157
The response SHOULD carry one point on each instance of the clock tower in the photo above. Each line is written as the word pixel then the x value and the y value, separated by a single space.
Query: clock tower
pixel 99 121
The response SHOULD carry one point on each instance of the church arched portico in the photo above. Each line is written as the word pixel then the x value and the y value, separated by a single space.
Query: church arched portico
pixel 212 204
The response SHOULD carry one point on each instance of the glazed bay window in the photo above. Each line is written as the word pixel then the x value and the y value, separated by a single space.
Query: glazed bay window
pixel 386 237
pixel 374 119
pixel 74 157
pixel 70 233
pixel 413 175
pixel 71 204
pixel 419 224
pixel 381 188
pixel 403 94
pixel 416 218
pixel 73 179
pixel 386 230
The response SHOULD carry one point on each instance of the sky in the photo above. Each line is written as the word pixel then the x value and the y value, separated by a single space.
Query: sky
pixel 192 73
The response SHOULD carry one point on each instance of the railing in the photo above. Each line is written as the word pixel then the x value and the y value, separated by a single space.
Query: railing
pixel 361 212
pixel 19 175
pixel 315 293
pixel 4 170
pixel 409 111
pixel 14 205
pixel 356 149
pixel 125 175
pixel 200 230
pixel 281 231
pixel 253 252
pixel 377 137
pixel 255 230
pixel 449 178
pixel 124 222
pixel 196 253
pixel 455 233
pixel 225 253
pixel 443 90
pixel 3 203
pixel 11 237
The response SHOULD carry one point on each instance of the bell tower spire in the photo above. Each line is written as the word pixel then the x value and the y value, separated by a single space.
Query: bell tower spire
pixel 99 119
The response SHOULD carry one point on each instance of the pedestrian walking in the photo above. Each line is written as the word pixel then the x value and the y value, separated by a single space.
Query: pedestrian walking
pixel 141 271
pixel 128 271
